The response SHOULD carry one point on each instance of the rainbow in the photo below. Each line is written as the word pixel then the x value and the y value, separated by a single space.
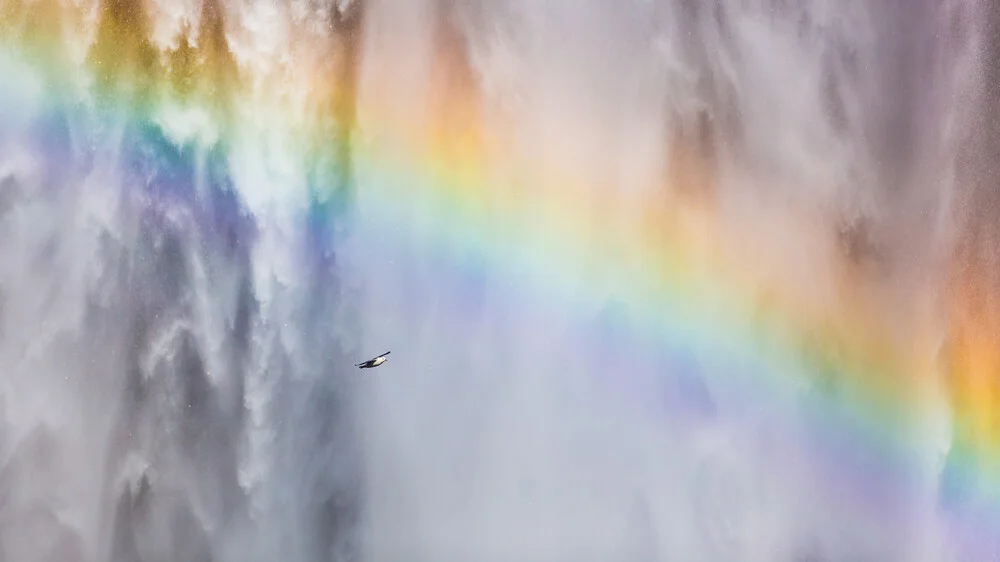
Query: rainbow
pixel 679 283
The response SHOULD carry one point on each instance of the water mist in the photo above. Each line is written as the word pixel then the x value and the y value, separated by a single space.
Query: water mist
pixel 199 238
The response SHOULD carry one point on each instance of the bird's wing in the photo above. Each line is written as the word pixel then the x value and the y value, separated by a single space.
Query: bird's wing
pixel 384 354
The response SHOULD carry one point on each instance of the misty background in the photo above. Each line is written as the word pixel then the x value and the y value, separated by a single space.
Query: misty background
pixel 183 296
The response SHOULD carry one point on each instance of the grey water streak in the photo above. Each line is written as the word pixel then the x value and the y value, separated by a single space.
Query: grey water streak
pixel 135 335
pixel 176 380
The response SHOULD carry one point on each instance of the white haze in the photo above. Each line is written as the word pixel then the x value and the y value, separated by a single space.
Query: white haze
pixel 216 387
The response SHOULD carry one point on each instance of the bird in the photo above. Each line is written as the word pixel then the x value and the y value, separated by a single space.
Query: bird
pixel 372 363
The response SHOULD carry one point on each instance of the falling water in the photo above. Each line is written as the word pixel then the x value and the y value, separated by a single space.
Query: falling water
pixel 183 295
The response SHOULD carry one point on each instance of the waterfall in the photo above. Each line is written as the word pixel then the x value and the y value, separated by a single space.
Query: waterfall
pixel 210 211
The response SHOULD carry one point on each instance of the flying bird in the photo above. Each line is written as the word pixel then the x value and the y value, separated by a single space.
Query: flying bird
pixel 372 363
